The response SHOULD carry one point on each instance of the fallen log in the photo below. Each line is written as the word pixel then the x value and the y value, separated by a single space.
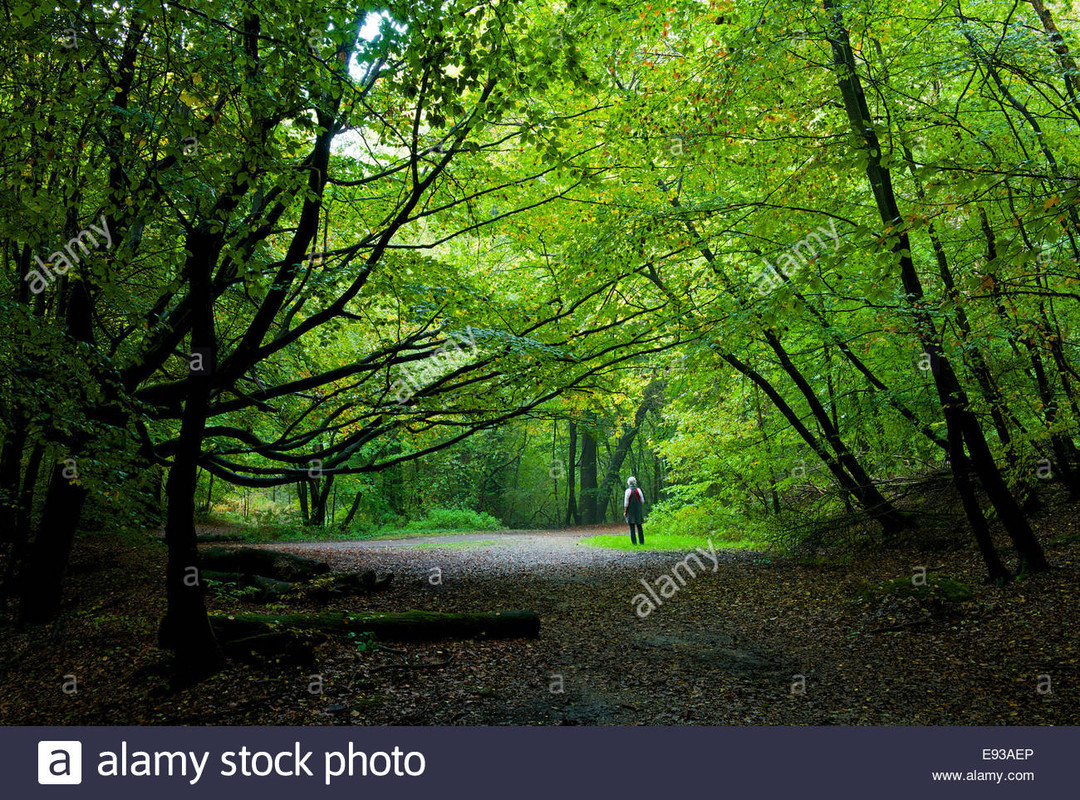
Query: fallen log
pixel 256 561
pixel 320 589
pixel 405 626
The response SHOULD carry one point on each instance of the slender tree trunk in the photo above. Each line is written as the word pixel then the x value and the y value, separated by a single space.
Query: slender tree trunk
pixel 999 410
pixel 772 493
pixel 961 469
pixel 835 419
pixel 29 488
pixel 302 496
pixel 887 516
pixel 951 395
pixel 987 60
pixel 43 580
pixel 587 509
pixel 554 472
pixel 24 520
pixel 1068 64
pixel 1063 447
pixel 571 477
pixel 347 523
pixel 10 473
pixel 209 495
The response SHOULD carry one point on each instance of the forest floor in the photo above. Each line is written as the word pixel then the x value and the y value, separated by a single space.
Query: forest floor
pixel 757 640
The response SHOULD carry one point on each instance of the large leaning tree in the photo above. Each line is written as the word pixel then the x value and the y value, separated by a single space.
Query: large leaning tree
pixel 264 184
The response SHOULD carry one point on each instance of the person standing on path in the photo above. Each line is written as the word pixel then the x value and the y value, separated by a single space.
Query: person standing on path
pixel 634 511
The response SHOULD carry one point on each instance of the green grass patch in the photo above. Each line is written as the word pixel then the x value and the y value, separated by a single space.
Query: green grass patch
pixel 667 542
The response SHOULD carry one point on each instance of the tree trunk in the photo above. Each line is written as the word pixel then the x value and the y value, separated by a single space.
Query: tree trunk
pixel 261 561
pixel 772 493
pixel 1068 64
pixel 302 496
pixel 353 509
pixel 43 580
pixel 571 477
pixel 587 506
pixel 320 497
pixel 10 473
pixel 21 534
pixel 42 583
pixel 209 495
pixel 961 469
pixel 555 473
pixel 186 628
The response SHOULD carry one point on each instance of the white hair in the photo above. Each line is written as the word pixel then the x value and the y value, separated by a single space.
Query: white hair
pixel 631 482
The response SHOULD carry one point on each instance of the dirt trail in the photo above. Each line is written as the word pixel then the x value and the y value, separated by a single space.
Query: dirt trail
pixel 610 663
pixel 481 554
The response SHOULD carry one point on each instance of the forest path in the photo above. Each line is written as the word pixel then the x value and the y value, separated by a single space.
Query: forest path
pixel 502 552
pixel 613 666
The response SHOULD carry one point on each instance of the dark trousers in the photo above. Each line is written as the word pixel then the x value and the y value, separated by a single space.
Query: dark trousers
pixel 640 533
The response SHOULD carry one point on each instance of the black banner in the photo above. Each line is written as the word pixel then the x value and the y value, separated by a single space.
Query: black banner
pixel 161 763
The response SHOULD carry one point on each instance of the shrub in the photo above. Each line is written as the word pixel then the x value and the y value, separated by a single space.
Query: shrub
pixel 454 519
pixel 707 517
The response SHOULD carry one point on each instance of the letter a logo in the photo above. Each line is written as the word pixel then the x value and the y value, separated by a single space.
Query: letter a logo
pixel 59 762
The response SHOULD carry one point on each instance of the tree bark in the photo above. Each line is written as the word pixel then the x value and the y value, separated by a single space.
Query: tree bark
pixel 347 522
pixel 1068 64
pixel 302 496
pixel 10 473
